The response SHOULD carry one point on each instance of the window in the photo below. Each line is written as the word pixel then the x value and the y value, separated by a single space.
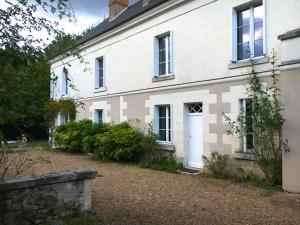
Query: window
pixel 164 123
pixel 98 117
pixel 247 141
pixel 164 55
pixel 99 74
pixel 249 32
pixel 64 119
pixel 195 108
pixel 61 119
pixel 64 82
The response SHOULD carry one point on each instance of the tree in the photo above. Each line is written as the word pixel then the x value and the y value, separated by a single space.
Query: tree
pixel 24 69
pixel 265 122
pixel 20 19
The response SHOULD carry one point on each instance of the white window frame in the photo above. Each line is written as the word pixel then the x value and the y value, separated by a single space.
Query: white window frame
pixel 64 83
pixel 97 74
pixel 169 125
pixel 234 23
pixel 168 54
pixel 242 103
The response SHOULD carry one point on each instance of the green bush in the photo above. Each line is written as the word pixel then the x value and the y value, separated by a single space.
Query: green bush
pixel 166 163
pixel 216 164
pixel 90 142
pixel 120 142
pixel 78 137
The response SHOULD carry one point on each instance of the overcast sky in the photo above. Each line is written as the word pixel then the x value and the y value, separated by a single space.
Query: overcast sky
pixel 88 12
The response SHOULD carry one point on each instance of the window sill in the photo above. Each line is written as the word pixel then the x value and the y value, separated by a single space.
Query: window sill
pixel 163 77
pixel 247 62
pixel 166 146
pixel 102 89
pixel 244 156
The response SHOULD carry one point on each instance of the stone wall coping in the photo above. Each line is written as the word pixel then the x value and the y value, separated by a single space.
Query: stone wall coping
pixel 46 179
pixel 290 34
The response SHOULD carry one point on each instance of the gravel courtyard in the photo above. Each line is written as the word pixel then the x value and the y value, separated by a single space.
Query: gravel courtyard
pixel 129 195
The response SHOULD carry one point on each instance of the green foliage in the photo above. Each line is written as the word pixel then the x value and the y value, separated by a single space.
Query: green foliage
pixel 265 122
pixel 21 18
pixel 62 106
pixel 156 158
pixel 77 219
pixel 120 142
pixel 70 136
pixel 24 89
pixel 216 164
pixel 166 163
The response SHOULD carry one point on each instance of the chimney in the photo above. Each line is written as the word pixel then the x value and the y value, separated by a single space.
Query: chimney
pixel 116 6
pixel 146 2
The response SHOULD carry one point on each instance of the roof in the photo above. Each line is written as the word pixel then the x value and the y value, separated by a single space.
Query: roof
pixel 128 14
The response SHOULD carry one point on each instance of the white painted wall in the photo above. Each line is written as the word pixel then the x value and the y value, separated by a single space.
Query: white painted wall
pixel 201 44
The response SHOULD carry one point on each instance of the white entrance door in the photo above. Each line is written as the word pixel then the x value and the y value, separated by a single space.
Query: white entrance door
pixel 195 139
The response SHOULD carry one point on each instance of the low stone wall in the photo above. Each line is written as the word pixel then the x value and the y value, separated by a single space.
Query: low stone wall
pixel 33 200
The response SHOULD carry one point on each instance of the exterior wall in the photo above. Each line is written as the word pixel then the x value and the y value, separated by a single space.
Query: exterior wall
pixel 290 80
pixel 200 29
pixel 201 33
pixel 216 99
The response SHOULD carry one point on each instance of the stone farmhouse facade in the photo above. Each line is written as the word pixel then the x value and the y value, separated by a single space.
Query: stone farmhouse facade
pixel 180 64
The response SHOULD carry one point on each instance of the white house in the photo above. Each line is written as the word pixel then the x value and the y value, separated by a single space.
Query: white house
pixel 180 64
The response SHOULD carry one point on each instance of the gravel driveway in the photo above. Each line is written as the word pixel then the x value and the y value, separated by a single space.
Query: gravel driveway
pixel 130 195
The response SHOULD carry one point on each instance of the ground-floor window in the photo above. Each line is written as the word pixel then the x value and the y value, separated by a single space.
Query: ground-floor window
pixel 247 140
pixel 164 123
pixel 98 116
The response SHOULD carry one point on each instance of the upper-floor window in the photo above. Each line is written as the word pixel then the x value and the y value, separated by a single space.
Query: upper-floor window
pixel 163 55
pixel 164 126
pixel 247 141
pixel 64 82
pixel 249 32
pixel 99 73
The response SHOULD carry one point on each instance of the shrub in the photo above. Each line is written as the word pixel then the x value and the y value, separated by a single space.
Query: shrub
pixel 216 164
pixel 90 142
pixel 70 136
pixel 166 163
pixel 120 142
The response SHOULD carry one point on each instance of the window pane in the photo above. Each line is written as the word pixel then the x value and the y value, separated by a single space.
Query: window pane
pixel 100 61
pixel 162 135
pixel 243 18
pixel 162 43
pixel 249 140
pixel 162 111
pixel 244 34
pixel 169 135
pixel 258 48
pixel 244 51
pixel 100 112
pixel 162 123
pixel 258 30
pixel 258 13
pixel 162 68
pixel 162 56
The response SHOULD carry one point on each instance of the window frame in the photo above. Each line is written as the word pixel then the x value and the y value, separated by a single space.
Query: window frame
pixel 243 141
pixel 97 85
pixel 169 125
pixel 96 117
pixel 64 82
pixel 234 34
pixel 168 51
